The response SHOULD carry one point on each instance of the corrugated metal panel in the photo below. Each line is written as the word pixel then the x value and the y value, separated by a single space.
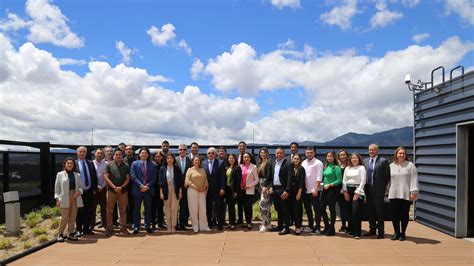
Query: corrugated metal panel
pixel 436 116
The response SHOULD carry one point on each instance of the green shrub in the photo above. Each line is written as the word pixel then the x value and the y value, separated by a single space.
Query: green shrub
pixel 55 224
pixel 46 212
pixel 43 238
pixel 32 219
pixel 56 212
pixel 3 228
pixel 39 231
pixel 27 245
pixel 6 243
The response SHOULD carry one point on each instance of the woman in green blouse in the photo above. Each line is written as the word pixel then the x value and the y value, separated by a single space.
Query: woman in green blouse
pixel 332 178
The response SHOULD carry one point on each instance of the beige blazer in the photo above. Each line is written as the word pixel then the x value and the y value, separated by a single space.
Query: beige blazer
pixel 61 189
pixel 252 179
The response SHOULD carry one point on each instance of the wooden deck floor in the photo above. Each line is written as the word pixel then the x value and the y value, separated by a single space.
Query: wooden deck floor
pixel 423 246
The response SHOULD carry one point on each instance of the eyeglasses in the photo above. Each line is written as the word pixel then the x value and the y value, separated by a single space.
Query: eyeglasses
pixel 211 153
pixel 182 149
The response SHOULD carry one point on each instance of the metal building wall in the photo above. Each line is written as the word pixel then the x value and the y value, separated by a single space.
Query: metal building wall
pixel 436 116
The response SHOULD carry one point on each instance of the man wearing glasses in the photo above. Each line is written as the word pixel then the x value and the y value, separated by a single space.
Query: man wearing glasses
pixel 184 163
pixel 215 195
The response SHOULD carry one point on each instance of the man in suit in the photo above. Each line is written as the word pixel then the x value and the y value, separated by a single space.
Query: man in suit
pixel 144 176
pixel 215 194
pixel 184 163
pixel 378 176
pixel 128 159
pixel 89 179
pixel 279 187
pixel 194 151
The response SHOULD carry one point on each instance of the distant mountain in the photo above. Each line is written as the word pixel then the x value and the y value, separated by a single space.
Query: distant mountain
pixel 395 137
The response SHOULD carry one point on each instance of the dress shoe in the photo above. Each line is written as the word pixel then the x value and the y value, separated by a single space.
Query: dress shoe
pixel 298 231
pixel 124 232
pixel 276 229
pixel 284 232
pixel 149 231
pixel 402 237
pixel 249 226
pixel 395 236
pixel 232 227
pixel 220 227
pixel 162 226
pixel 370 233
pixel 315 231
pixel 331 232
pixel 135 231
pixel 90 233
pixel 381 236
pixel 342 229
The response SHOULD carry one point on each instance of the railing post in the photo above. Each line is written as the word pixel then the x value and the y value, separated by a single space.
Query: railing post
pixel 45 170
pixel 6 172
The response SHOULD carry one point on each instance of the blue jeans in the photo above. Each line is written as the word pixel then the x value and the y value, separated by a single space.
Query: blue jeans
pixel 147 198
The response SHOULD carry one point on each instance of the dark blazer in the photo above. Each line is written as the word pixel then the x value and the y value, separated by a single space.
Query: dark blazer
pixel 283 175
pixel 92 172
pixel 188 163
pixel 178 181
pixel 130 160
pixel 216 180
pixel 381 175
pixel 296 181
pixel 236 177
pixel 138 177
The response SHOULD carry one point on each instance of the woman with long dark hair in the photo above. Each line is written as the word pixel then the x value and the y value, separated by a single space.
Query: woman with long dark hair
pixel 233 175
pixel 332 178
pixel 265 203
pixel 171 190
pixel 157 204
pixel 403 191
pixel 296 176
pixel 247 184
pixel 343 160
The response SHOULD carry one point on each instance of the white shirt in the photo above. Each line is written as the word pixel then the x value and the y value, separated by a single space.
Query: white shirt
pixel 100 169
pixel 276 175
pixel 355 176
pixel 403 180
pixel 314 174
pixel 169 173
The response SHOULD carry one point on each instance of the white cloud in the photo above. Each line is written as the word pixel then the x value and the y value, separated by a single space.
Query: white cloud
pixel 167 37
pixel 71 61
pixel 418 38
pixel 121 103
pixel 361 83
pixel 196 69
pixel 125 52
pixel 410 3
pixel 464 8
pixel 162 37
pixel 286 3
pixel 288 45
pixel 47 25
pixel 341 16
pixel 384 17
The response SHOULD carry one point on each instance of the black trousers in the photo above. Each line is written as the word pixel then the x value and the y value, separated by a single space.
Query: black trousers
pixel 157 205
pixel 213 199
pixel 248 210
pixel 296 209
pixel 230 204
pixel 375 210
pixel 183 209
pixel 329 198
pixel 354 212
pixel 129 207
pixel 400 214
pixel 343 207
pixel 240 207
pixel 84 214
pixel 282 207
pixel 312 207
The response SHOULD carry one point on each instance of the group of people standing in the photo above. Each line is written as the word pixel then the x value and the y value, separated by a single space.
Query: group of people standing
pixel 205 189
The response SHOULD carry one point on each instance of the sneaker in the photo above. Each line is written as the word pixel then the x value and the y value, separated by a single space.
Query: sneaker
pixel 232 227
pixel 60 238
pixel 207 229
pixel 315 231
pixel 72 237
pixel 195 229
pixel 249 226
pixel 298 231
pixel 357 237
pixel 263 229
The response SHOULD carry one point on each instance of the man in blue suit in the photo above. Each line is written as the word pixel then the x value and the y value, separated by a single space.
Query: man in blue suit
pixel 215 194
pixel 144 176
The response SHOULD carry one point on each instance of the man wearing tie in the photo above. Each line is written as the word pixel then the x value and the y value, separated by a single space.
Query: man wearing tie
pixel 184 163
pixel 215 194
pixel 89 179
pixel 378 176
pixel 144 176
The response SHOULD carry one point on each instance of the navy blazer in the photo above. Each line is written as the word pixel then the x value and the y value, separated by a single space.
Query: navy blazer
pixel 138 177
pixel 93 174
pixel 178 181
pixel 283 174
pixel 381 175
pixel 188 165
pixel 216 180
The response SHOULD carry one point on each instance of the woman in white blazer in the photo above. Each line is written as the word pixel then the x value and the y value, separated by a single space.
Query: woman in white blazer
pixel 67 192
pixel 247 183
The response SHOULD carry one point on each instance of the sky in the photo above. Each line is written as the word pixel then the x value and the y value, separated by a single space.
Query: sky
pixel 220 71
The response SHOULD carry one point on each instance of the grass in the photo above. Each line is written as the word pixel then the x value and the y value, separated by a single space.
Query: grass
pixel 43 238
pixel 39 231
pixel 27 245
pixel 32 219
pixel 6 243
pixel 3 228
pixel 55 224
pixel 47 212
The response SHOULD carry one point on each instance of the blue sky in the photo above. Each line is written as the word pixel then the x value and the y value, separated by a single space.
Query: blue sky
pixel 285 64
